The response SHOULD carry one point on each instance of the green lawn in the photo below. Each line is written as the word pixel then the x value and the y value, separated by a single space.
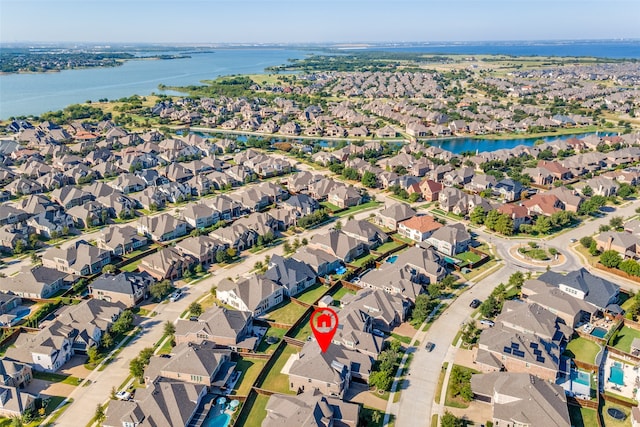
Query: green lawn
pixel 403 239
pixel 443 371
pixel 330 206
pixel 369 205
pixel 303 331
pixel 257 414
pixel 366 415
pixel 271 332
pixel 583 350
pixel 286 313
pixel 131 267
pixel 363 260
pixel 401 338
pixel 313 293
pixel 624 338
pixel 342 292
pixel 56 378
pixel 469 257
pixel 477 272
pixel 275 380
pixel 250 369
pixel 582 417
pixel 457 402
pixel 53 402
pixel 387 247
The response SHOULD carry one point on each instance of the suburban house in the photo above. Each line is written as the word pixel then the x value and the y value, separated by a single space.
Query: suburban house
pixel 583 285
pixel 330 372
pixel 203 248
pixel 120 240
pixel 522 399
pixel 320 261
pixel 366 232
pixel 626 244
pixel 572 311
pixel 543 204
pixel 508 190
pixel 199 215
pixel 193 363
pixel 293 275
pixel 256 294
pixel 80 258
pixel 34 282
pixel 127 288
pixel 526 338
pixel 14 401
pixel 226 328
pixel 310 408
pixel 338 244
pixel 385 310
pixel 390 216
pixel 162 227
pixel 518 214
pixel 14 373
pixel 151 404
pixel 344 196
pixel 418 228
pixel 301 204
pixel 168 263
pixel 450 239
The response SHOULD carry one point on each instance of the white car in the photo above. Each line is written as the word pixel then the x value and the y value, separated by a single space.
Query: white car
pixel 175 296
pixel 123 395
pixel 487 322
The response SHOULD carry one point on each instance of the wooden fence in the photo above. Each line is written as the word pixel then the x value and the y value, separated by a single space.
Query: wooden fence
pixel 617 272
pixel 582 403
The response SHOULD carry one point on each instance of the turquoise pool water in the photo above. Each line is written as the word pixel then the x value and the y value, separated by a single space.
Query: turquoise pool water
pixel 392 259
pixel 581 377
pixel 616 375
pixel 221 420
pixel 341 270
pixel 599 332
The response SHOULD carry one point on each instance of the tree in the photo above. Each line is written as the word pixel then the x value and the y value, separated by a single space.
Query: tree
pixel 195 309
pixel 492 219
pixel 221 256
pixel 587 191
pixel 504 225
pixel 338 225
pixel 35 259
pixel 286 247
pixel 145 355
pixel 305 242
pixel 490 307
pixel 99 415
pixel 381 380
pixel 423 307
pixel 593 248
pixel 199 269
pixel 94 355
pixel 470 332
pixel 369 179
pixel 136 368
pixel 169 328
pixel 586 241
pixel 616 222
pixel 460 383
pixel 232 253
pixel 448 281
pixel 610 259
pixel 109 269
pixel 414 197
pixel 160 290
pixel 450 420
pixel 625 190
pixel 542 225
pixel 19 247
pixel 33 240
pixel 106 341
pixel 477 215
pixel 124 323
pixel 516 280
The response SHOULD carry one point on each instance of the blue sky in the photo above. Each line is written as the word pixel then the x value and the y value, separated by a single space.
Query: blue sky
pixel 303 21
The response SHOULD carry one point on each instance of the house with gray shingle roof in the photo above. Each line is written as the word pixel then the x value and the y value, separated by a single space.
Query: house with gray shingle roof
pixel 80 258
pixel 161 227
pixel 293 275
pixel 581 284
pixel 450 239
pixel 34 282
pixel 256 294
pixel 522 399
pixel 127 288
pixel 338 244
pixel 309 409
pixel 390 216
pixel 366 232
pixel 227 328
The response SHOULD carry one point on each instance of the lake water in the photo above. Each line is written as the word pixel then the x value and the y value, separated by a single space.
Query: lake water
pixel 25 94
pixel 459 145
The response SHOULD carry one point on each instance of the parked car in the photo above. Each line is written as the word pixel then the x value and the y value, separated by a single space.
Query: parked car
pixel 487 322
pixel 175 296
pixel 475 303
pixel 123 395
pixel 429 346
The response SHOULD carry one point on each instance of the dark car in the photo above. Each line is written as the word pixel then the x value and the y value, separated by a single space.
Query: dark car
pixel 429 346
pixel 475 303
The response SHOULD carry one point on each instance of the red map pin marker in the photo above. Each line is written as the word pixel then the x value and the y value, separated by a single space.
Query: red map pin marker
pixel 324 323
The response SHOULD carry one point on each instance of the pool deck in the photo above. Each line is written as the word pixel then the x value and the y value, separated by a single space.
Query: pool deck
pixel 631 379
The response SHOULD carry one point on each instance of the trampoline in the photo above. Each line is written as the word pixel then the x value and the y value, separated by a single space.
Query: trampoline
pixel 616 414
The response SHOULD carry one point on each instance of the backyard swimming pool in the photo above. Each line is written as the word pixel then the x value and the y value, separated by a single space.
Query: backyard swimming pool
pixel 341 270
pixel 581 377
pixel 221 420
pixel 616 374
pixel 392 259
pixel 599 332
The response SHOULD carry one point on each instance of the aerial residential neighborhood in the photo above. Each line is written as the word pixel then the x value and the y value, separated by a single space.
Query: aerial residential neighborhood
pixel 472 220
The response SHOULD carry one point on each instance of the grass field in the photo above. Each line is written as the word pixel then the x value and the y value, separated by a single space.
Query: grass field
pixel 582 417
pixel 250 369
pixel 271 332
pixel 363 260
pixel 287 313
pixel 131 267
pixel 582 349
pixel 469 257
pixel 369 205
pixel 443 371
pixel 624 338
pixel 610 421
pixel 257 414
pixel 56 378
pixel 342 292
pixel 457 401
pixel 387 247
pixel 313 293
pixel 275 380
